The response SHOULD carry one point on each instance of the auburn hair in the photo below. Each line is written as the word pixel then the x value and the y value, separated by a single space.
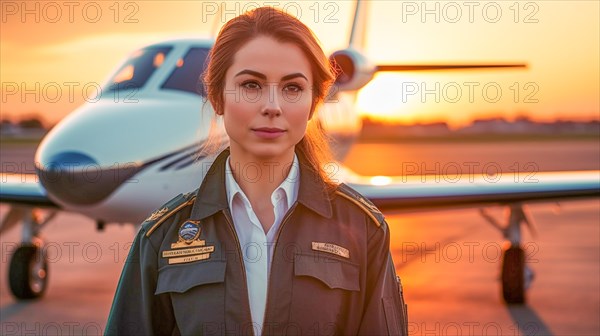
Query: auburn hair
pixel 271 22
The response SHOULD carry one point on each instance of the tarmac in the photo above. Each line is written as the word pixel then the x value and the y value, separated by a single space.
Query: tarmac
pixel 449 263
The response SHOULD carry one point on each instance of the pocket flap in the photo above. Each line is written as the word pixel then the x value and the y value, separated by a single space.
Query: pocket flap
pixel 334 273
pixel 180 278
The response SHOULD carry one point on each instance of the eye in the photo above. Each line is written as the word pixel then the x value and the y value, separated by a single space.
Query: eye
pixel 293 88
pixel 250 85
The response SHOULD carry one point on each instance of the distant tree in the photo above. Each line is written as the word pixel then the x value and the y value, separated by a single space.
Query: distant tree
pixel 31 123
pixel 523 117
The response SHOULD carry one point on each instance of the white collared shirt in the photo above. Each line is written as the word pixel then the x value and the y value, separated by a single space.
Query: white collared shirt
pixel 256 246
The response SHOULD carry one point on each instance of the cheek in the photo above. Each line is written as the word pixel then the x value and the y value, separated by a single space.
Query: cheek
pixel 235 115
pixel 298 120
pixel 233 105
pixel 298 107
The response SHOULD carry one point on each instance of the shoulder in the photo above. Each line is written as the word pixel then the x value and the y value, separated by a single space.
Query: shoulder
pixel 360 203
pixel 167 211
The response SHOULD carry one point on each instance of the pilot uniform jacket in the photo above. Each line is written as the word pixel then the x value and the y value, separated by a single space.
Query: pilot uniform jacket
pixel 331 270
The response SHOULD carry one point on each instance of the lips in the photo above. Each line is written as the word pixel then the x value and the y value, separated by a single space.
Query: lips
pixel 268 132
pixel 268 129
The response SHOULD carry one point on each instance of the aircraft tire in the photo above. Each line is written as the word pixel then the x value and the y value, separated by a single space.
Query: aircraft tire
pixel 28 272
pixel 513 275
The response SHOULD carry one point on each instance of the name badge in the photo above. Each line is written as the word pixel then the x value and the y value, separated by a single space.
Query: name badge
pixel 331 248
pixel 189 247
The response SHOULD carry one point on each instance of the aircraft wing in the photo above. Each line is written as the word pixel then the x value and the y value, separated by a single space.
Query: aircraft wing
pixel 426 192
pixel 24 189
pixel 404 193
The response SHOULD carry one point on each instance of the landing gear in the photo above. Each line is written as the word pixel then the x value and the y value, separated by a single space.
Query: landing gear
pixel 28 269
pixel 515 276
pixel 28 272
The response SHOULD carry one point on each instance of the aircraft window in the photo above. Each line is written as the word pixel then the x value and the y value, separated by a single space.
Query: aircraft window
pixel 138 68
pixel 186 76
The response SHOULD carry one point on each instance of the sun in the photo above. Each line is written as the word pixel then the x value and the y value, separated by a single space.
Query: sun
pixel 385 98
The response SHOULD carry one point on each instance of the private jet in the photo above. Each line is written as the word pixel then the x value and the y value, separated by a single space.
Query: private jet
pixel 120 157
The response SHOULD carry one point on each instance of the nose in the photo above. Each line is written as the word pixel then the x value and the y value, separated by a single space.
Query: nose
pixel 76 178
pixel 272 106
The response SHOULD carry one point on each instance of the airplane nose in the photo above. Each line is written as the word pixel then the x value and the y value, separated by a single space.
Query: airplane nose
pixel 77 178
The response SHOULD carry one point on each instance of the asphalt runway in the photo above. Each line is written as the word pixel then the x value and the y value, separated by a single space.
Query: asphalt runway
pixel 449 263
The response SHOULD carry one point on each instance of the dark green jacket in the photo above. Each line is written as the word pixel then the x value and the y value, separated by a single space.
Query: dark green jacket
pixel 331 272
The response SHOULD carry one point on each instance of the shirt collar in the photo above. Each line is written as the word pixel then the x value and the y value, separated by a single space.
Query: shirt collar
pixel 211 197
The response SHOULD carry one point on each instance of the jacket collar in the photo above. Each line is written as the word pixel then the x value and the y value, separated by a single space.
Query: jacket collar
pixel 212 195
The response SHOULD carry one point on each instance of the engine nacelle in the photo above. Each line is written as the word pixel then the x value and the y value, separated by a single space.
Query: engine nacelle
pixel 354 70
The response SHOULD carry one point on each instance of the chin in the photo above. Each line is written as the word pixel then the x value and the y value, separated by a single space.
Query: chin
pixel 269 151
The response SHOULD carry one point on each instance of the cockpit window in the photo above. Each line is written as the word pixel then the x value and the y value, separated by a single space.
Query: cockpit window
pixel 186 76
pixel 138 68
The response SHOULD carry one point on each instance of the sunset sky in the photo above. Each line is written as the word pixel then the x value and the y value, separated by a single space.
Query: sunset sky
pixel 47 44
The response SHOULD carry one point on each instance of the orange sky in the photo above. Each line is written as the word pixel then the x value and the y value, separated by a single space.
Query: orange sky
pixel 81 42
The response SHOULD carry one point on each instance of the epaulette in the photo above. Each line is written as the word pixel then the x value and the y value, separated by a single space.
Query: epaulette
pixel 363 203
pixel 167 210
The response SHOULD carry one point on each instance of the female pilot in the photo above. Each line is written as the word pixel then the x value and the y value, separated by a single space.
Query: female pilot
pixel 268 244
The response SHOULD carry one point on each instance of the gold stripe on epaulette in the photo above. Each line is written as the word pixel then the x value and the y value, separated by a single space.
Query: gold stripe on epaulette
pixel 157 214
pixel 163 218
pixel 362 206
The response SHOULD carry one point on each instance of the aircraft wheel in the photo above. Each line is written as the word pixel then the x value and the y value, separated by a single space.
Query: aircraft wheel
pixel 513 275
pixel 28 272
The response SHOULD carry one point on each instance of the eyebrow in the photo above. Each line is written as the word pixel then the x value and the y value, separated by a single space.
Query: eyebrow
pixel 262 76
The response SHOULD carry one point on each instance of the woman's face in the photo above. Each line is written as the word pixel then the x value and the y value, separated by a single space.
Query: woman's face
pixel 267 99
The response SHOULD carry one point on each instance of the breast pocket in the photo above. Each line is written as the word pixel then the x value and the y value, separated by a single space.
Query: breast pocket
pixel 323 291
pixel 197 294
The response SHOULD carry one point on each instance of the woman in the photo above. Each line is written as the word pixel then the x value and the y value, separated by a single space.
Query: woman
pixel 268 244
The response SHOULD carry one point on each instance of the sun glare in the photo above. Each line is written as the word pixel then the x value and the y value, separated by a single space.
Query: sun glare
pixel 380 180
pixel 125 74
pixel 382 99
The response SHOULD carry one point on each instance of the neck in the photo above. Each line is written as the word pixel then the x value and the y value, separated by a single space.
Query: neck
pixel 259 177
